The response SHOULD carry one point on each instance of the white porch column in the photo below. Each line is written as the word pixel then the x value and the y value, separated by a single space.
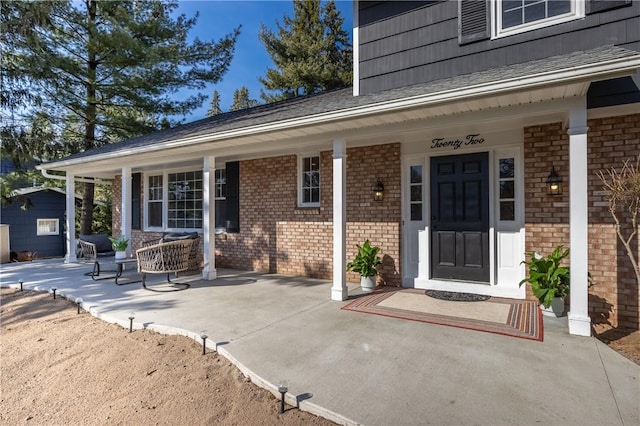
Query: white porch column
pixel 209 217
pixel 339 288
pixel 579 321
pixel 71 257
pixel 125 209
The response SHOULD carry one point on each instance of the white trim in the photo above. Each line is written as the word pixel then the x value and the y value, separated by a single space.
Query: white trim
pixel 339 290
pixel 43 222
pixel 591 72
pixel 209 217
pixel 356 49
pixel 165 200
pixel 301 158
pixel 579 323
pixel 577 12
pixel 70 256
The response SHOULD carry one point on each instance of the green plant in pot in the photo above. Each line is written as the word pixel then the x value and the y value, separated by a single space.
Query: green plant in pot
pixel 120 245
pixel 550 282
pixel 365 264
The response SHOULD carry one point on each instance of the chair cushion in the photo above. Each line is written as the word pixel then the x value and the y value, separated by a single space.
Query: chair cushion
pixel 100 240
pixel 177 236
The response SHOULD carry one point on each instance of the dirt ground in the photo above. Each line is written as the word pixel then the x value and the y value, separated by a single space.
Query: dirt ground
pixel 58 367
pixel 61 368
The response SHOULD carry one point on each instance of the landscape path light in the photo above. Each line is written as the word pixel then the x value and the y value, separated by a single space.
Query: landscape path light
pixel 78 303
pixel 283 388
pixel 21 282
pixel 132 315
pixel 203 336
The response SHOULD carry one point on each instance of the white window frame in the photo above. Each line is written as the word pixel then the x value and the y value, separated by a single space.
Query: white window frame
pixel 577 12
pixel 165 201
pixel 46 222
pixel 301 159
pixel 220 188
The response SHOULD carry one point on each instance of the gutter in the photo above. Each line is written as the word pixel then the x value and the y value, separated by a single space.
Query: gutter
pixel 48 175
pixel 608 69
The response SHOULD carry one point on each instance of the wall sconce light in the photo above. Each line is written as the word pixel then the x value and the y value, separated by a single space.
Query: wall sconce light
pixel 554 183
pixel 378 191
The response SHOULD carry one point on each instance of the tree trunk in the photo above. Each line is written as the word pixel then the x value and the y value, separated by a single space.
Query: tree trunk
pixel 86 217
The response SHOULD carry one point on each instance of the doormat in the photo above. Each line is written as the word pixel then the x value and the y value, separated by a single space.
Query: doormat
pixel 509 317
pixel 456 297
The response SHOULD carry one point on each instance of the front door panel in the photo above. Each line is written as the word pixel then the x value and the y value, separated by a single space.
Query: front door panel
pixel 460 217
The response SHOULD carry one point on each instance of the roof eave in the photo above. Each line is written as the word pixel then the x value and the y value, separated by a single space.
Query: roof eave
pixel 592 72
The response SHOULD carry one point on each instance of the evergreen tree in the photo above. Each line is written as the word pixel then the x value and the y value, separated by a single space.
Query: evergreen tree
pixel 214 108
pixel 242 100
pixel 112 65
pixel 311 52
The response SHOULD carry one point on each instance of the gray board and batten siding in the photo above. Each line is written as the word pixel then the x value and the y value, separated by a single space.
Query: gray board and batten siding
pixel 406 43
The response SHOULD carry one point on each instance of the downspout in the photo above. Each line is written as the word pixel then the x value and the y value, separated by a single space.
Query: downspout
pixel 48 175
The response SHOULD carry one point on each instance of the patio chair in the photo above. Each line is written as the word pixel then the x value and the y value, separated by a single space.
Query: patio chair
pixel 195 257
pixel 164 258
pixel 92 247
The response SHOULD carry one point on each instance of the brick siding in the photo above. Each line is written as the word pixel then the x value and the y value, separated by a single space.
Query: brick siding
pixel 613 296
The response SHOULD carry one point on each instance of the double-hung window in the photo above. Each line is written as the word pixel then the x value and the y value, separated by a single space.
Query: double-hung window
pixel 221 200
pixel 174 201
pixel 309 181
pixel 514 16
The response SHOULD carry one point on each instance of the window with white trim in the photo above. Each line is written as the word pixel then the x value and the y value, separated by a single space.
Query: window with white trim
pixel 515 16
pixel 221 200
pixel 155 197
pixel 309 181
pixel 174 201
pixel 507 189
pixel 48 227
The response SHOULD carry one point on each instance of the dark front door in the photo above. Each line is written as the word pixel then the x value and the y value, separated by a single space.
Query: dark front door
pixel 460 217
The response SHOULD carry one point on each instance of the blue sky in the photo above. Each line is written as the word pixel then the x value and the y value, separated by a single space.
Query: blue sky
pixel 250 61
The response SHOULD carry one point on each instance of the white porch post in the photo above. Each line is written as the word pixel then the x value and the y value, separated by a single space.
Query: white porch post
pixel 339 288
pixel 71 257
pixel 125 210
pixel 209 217
pixel 579 321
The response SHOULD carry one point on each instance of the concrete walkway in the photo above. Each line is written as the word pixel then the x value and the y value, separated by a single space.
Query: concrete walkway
pixel 357 368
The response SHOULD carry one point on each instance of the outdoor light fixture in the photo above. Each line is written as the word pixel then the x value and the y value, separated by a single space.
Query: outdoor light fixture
pixel 21 282
pixel 282 388
pixel 53 290
pixel 378 191
pixel 132 315
pixel 203 336
pixel 554 183
pixel 78 303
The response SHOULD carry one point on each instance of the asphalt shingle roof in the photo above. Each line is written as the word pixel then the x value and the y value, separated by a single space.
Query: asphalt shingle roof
pixel 343 99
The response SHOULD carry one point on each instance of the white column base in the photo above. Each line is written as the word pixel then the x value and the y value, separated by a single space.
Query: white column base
pixel 70 258
pixel 579 325
pixel 209 275
pixel 339 294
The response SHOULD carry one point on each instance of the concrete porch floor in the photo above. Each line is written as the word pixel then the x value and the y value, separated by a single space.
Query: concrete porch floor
pixel 356 368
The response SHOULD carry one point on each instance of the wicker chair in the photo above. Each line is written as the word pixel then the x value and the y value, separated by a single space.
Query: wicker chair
pixel 195 256
pixel 164 258
pixel 92 247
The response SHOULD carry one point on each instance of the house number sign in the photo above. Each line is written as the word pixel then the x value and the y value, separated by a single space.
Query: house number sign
pixel 457 143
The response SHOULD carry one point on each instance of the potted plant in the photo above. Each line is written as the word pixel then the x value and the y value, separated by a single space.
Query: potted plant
pixel 120 245
pixel 549 281
pixel 365 264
